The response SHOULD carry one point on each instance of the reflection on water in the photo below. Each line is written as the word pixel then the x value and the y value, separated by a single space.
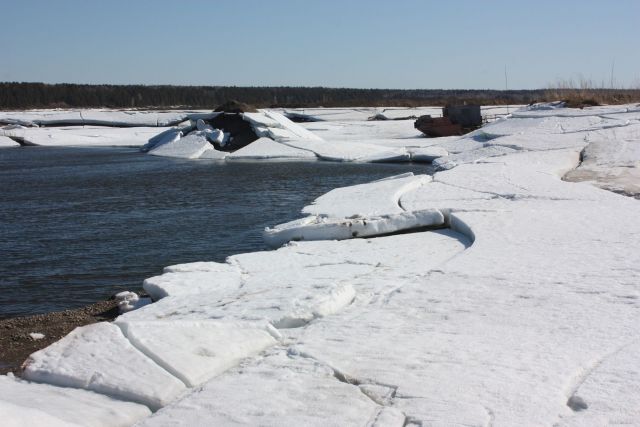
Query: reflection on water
pixel 77 225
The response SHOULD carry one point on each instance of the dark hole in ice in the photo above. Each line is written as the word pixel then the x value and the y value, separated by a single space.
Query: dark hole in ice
pixel 577 403
pixel 240 131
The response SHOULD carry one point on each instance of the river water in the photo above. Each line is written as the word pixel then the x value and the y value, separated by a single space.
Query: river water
pixel 77 225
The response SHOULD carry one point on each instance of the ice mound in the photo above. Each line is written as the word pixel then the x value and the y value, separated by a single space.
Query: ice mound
pixel 128 301
pixel 268 134
pixel 192 146
pixel 260 135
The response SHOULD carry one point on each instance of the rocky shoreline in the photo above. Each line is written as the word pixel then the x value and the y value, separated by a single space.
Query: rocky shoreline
pixel 21 336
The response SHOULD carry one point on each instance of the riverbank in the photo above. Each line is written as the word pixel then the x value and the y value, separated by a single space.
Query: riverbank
pixel 21 336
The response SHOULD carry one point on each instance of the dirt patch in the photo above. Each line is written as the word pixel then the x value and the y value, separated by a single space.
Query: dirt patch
pixel 16 343
pixel 235 107
pixel 580 103
pixel 240 131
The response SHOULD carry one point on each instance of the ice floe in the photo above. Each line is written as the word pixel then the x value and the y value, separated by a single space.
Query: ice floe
pixel 266 148
pixel 192 350
pixel 187 282
pixel 301 392
pixel 6 142
pixel 192 146
pixel 93 136
pixel 360 211
pixel 99 358
pixel 95 117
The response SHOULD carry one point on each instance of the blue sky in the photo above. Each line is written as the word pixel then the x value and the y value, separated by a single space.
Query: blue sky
pixel 348 43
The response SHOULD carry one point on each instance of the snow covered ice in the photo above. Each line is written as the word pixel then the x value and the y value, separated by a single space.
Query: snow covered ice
pixel 521 307
pixel 6 142
pixel 99 358
pixel 23 403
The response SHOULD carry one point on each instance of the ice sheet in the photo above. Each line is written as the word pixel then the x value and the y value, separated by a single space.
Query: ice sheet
pixel 73 406
pixel 99 358
pixel 98 117
pixel 366 130
pixel 349 151
pixel 6 142
pixel 266 148
pixel 427 154
pixel 20 416
pixel 195 351
pixel 92 136
pixel 471 156
pixel 359 211
pixel 495 329
pixel 192 282
pixel 192 146
pixel 166 137
pixel 300 393
pixel 371 199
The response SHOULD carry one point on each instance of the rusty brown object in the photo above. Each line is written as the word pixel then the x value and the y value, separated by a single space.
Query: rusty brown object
pixel 435 127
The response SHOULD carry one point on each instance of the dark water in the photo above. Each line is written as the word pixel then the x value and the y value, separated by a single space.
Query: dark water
pixel 77 225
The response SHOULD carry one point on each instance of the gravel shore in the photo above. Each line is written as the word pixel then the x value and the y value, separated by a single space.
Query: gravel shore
pixel 19 336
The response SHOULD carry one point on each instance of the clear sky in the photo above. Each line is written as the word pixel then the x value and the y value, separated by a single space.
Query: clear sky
pixel 345 43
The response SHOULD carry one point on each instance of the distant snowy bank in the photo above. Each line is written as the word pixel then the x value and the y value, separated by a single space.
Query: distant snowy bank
pixel 371 134
pixel 522 308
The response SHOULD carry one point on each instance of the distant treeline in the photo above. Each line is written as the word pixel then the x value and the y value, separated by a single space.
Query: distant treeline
pixel 40 95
